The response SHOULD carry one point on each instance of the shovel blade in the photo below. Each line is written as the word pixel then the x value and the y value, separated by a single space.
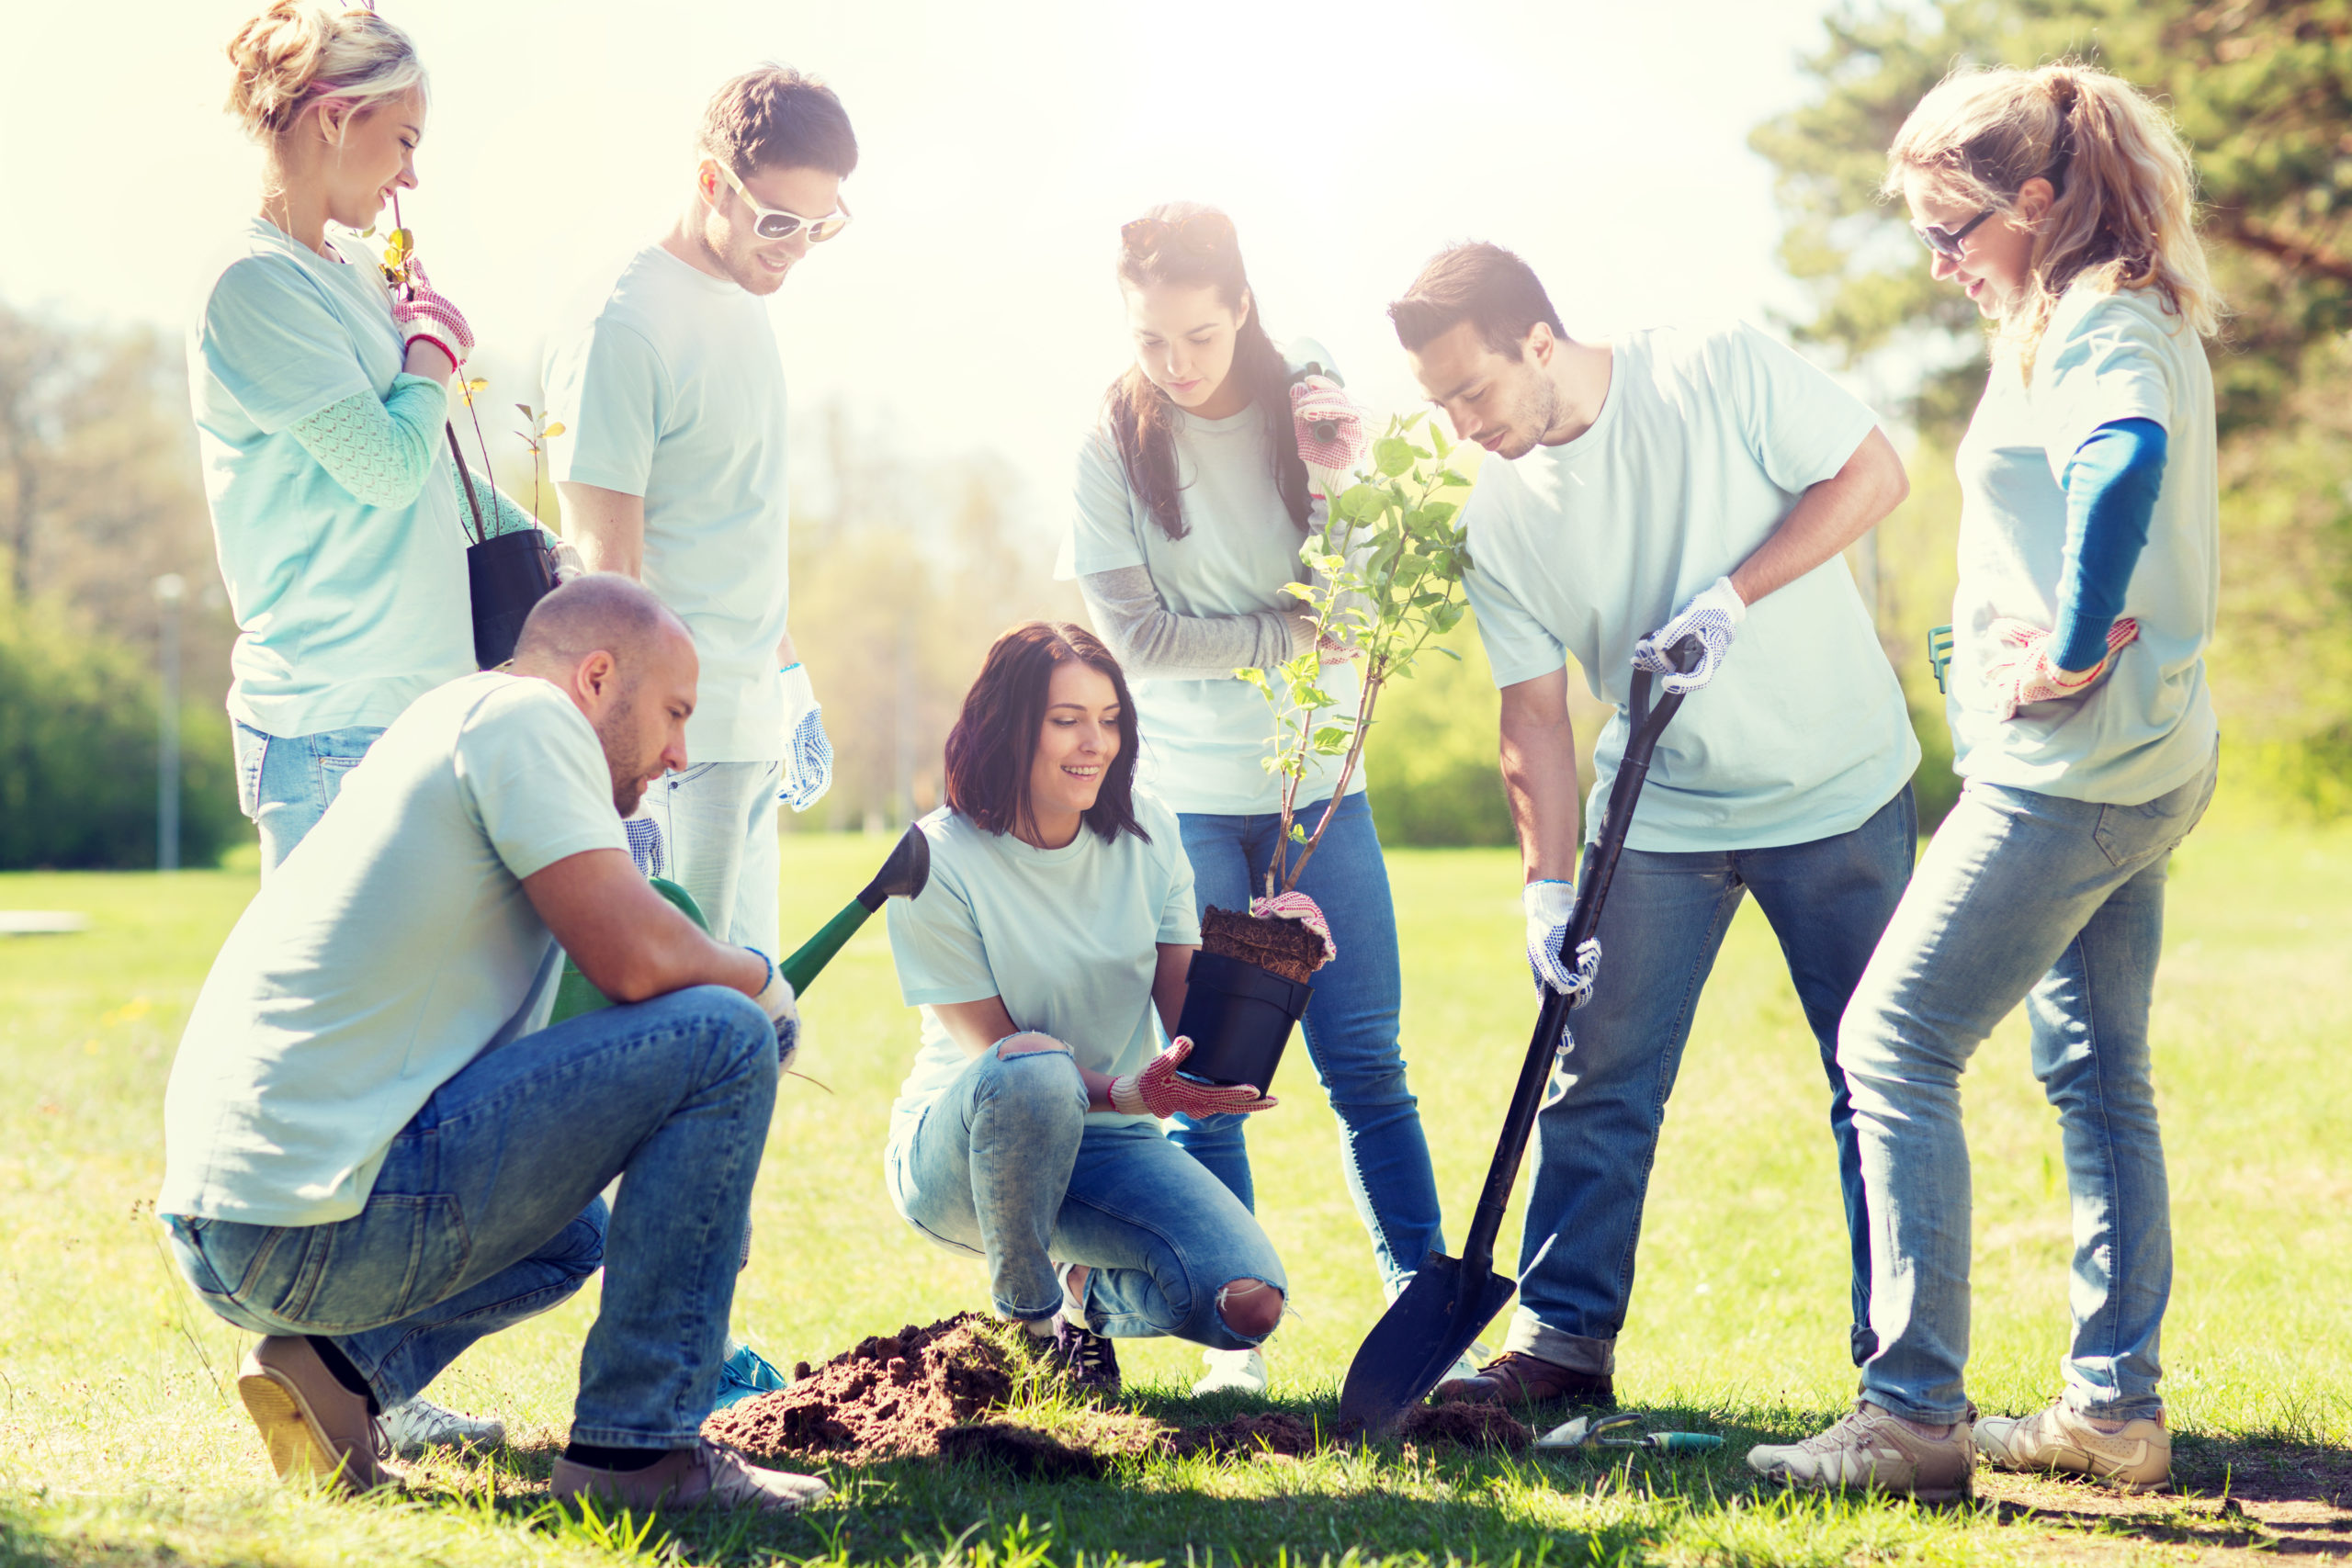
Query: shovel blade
pixel 1417 1341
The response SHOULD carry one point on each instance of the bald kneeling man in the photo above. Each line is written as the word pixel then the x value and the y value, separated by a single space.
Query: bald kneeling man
pixel 375 1155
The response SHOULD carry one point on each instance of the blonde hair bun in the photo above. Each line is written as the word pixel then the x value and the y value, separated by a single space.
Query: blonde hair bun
pixel 298 55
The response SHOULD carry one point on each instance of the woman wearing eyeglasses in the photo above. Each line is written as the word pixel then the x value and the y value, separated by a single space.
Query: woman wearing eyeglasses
pixel 2059 200
pixel 1193 502
pixel 319 397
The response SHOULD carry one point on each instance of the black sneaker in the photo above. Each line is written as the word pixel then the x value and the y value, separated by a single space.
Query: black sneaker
pixel 1085 1359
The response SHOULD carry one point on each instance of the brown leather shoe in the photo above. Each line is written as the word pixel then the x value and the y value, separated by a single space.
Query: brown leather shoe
pixel 703 1473
pixel 310 1423
pixel 1517 1378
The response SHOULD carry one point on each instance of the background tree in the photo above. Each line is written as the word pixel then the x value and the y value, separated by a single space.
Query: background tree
pixel 2263 91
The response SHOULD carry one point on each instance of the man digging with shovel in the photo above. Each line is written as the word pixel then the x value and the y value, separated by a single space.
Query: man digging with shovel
pixel 374 1158
pixel 1667 484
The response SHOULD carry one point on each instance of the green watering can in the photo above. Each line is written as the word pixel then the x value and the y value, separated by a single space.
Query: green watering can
pixel 903 875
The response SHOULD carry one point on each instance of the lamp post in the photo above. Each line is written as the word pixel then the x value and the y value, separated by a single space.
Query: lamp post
pixel 169 591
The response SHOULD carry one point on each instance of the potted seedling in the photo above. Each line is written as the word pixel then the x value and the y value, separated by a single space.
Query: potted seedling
pixel 506 574
pixel 1385 565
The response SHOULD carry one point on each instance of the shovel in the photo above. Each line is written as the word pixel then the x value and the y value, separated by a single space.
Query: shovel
pixel 1427 1327
pixel 903 875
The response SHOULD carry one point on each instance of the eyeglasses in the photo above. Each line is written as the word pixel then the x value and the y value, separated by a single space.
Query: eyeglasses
pixel 775 224
pixel 1200 233
pixel 1951 243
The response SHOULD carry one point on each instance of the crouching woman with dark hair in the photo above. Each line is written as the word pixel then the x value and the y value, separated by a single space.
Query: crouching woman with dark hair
pixel 1058 916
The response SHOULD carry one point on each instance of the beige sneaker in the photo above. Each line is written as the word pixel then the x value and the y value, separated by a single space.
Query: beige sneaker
pixel 1872 1450
pixel 310 1424
pixel 2137 1459
pixel 703 1473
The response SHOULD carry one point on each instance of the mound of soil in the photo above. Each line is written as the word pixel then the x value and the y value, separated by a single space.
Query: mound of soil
pixel 893 1394
pixel 1284 947
pixel 1277 1432
pixel 1466 1426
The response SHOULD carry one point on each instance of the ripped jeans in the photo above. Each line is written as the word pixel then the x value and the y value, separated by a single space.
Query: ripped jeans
pixel 1007 1166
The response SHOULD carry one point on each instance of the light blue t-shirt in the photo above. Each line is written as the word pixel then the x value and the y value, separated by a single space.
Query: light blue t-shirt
pixel 393 946
pixel 673 390
pixel 2148 727
pixel 346 613
pixel 1069 937
pixel 1705 440
pixel 1205 742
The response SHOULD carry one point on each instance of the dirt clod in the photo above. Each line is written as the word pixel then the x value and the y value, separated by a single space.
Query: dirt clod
pixel 1467 1426
pixel 1282 947
pixel 893 1394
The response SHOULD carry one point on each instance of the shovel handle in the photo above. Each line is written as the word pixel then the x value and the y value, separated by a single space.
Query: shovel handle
pixel 1645 724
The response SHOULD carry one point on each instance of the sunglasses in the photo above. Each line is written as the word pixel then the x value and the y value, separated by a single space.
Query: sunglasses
pixel 1201 234
pixel 775 224
pixel 1951 243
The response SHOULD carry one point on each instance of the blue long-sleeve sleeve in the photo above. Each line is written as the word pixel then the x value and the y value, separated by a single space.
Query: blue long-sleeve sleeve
pixel 2111 484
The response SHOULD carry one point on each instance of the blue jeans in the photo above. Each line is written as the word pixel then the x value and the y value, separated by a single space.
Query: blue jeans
pixel 487 1213
pixel 286 784
pixel 1005 1166
pixel 1596 1137
pixel 1350 1024
pixel 2057 904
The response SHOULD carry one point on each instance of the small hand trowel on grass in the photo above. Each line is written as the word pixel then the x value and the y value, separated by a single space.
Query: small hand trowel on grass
pixel 1614 1431
pixel 1427 1327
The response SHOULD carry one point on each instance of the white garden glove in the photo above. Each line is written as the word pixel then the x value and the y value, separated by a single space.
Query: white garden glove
pixel 776 1001
pixel 807 753
pixel 1548 905
pixel 1712 616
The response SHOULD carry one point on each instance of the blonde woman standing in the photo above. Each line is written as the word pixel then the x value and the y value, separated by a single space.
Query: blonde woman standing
pixel 319 399
pixel 2060 199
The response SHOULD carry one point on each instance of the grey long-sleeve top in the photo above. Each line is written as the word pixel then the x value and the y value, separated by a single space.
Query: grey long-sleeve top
pixel 1151 640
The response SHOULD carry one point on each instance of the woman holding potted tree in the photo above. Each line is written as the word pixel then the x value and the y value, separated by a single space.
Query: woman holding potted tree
pixel 320 396
pixel 1193 502
pixel 1047 953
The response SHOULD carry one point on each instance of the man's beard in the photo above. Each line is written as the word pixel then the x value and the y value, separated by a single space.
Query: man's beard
pixel 629 772
pixel 1534 420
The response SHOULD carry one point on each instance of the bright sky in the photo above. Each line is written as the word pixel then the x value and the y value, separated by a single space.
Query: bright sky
pixel 972 304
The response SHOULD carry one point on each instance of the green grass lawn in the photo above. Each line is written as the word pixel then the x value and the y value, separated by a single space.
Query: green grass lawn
pixel 121 1439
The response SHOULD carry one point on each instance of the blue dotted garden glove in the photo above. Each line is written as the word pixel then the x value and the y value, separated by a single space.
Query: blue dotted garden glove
pixel 783 1009
pixel 807 753
pixel 1713 616
pixel 1548 905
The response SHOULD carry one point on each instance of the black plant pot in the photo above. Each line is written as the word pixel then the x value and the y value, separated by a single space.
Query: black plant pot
pixel 1239 1018
pixel 506 576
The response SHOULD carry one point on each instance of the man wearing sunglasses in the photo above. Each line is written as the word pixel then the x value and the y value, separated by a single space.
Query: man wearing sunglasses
pixel 672 471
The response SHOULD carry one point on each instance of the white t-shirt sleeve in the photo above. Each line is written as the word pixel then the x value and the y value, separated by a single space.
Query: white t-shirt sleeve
pixel 1519 646
pixel 2109 362
pixel 611 391
pixel 935 941
pixel 1102 532
pixel 276 345
pixel 1180 914
pixel 1800 425
pixel 536 779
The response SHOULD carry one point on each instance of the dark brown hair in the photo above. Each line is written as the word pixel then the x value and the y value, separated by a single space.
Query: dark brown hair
pixel 1142 419
pixel 995 739
pixel 776 118
pixel 1479 283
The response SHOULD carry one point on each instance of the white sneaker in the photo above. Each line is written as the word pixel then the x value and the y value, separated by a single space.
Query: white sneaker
pixel 1232 1371
pixel 417 1424
pixel 2136 1459
pixel 1874 1450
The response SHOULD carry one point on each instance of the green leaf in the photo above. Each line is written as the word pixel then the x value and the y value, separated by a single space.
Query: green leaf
pixel 1438 440
pixel 1392 456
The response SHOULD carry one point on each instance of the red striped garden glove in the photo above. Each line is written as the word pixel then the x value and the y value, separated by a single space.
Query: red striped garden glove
pixel 1157 1091
pixel 2021 672
pixel 1304 910
pixel 1328 425
pixel 422 314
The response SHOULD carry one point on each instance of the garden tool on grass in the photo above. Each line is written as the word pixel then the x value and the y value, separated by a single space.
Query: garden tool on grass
pixel 1427 1327
pixel 1594 1432
pixel 903 875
